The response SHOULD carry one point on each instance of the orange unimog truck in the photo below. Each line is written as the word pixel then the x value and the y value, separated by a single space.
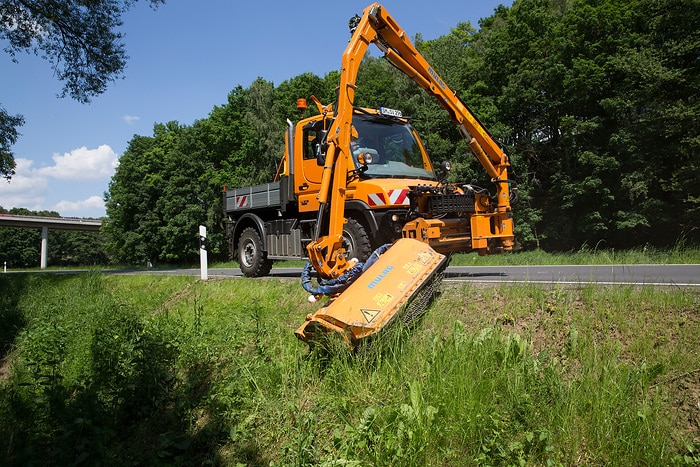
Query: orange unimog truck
pixel 357 185
pixel 278 220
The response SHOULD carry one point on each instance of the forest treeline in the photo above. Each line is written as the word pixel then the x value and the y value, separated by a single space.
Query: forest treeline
pixel 597 103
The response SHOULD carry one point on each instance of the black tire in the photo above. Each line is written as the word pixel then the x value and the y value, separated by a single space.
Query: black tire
pixel 251 257
pixel 356 241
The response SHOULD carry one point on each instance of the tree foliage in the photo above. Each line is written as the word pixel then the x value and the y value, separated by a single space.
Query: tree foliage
pixel 599 99
pixel 596 102
pixel 79 38
pixel 8 137
pixel 168 184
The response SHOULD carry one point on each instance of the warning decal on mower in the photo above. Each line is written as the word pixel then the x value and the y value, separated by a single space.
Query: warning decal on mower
pixel 369 314
pixel 382 299
pixel 425 257
pixel 412 268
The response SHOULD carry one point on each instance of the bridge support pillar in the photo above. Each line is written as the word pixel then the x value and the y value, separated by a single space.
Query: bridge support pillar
pixel 44 246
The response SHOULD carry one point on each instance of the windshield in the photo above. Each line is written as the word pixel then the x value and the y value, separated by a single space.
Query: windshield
pixel 392 146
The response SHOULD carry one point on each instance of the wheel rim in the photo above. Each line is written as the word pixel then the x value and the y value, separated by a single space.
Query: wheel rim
pixel 348 245
pixel 248 254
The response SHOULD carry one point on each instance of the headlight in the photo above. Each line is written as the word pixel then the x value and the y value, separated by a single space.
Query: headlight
pixel 365 158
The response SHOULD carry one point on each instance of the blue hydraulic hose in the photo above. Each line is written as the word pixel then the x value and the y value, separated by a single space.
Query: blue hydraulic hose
pixel 375 256
pixel 337 285
pixel 330 286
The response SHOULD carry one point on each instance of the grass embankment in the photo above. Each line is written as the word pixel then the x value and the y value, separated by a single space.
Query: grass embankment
pixel 105 370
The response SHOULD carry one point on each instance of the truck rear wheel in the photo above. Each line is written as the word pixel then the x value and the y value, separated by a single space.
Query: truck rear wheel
pixel 356 241
pixel 251 257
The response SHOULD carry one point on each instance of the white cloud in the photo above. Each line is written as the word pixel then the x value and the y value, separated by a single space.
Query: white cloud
pixel 93 203
pixel 22 180
pixel 37 189
pixel 25 189
pixel 82 164
pixel 131 119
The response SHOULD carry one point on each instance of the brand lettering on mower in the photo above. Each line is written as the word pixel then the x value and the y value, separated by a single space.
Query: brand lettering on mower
pixel 379 278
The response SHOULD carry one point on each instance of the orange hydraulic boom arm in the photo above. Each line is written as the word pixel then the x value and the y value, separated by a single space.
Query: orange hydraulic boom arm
pixel 377 27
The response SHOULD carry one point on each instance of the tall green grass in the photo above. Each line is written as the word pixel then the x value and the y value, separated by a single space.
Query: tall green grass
pixel 172 371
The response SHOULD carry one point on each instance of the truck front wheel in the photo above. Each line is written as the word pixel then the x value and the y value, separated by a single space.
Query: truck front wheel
pixel 251 257
pixel 356 240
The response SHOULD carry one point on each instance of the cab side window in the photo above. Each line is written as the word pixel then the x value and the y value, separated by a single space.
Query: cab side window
pixel 311 142
pixel 313 137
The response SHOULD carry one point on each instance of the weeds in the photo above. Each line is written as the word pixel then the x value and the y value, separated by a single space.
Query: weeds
pixel 172 371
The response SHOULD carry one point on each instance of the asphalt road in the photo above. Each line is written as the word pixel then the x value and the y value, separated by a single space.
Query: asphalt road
pixel 637 274
pixel 685 275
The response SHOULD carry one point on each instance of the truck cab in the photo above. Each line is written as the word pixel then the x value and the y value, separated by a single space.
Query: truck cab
pixel 394 148
pixel 387 158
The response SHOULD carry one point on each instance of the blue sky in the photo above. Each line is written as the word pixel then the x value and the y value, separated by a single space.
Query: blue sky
pixel 184 59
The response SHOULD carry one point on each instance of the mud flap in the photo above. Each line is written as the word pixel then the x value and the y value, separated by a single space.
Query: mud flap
pixel 399 285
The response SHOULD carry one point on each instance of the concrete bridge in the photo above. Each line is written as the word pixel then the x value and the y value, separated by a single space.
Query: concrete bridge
pixel 46 223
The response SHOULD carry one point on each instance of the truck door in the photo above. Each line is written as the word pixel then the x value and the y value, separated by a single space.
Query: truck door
pixel 311 141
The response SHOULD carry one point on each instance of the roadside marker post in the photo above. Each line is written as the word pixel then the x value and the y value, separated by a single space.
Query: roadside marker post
pixel 204 274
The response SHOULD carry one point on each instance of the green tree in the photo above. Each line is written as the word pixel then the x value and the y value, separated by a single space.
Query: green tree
pixel 597 96
pixel 183 203
pixel 165 187
pixel 226 137
pixel 81 41
pixel 302 86
pixel 267 131
pixel 657 80
pixel 131 201
pixel 8 137
pixel 449 55
pixel 76 248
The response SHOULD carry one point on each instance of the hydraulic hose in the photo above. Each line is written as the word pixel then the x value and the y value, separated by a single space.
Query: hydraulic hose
pixel 337 285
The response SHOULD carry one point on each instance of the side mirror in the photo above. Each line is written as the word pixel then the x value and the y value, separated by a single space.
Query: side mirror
pixel 321 148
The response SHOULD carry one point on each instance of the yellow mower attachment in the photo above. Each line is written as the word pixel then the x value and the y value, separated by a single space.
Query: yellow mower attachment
pixel 400 283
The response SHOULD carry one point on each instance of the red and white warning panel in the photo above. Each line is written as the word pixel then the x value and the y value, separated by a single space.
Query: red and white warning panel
pixel 242 201
pixel 392 197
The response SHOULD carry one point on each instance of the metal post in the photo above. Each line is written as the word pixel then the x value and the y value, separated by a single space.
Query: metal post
pixel 44 246
pixel 203 252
